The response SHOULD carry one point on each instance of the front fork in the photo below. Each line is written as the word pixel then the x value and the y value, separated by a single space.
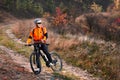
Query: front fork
pixel 37 54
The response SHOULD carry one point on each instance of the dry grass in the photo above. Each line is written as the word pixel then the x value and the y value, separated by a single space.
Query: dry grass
pixel 60 42
pixel 6 41
pixel 23 30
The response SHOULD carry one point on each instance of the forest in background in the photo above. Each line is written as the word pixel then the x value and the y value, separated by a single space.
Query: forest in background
pixel 36 8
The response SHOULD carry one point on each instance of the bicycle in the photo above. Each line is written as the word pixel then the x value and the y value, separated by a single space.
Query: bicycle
pixel 35 63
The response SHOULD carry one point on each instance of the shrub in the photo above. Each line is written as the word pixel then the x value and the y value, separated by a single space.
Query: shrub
pixel 60 18
pixel 101 25
pixel 100 60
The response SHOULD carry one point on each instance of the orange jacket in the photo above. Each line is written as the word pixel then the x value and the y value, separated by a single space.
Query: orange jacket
pixel 37 34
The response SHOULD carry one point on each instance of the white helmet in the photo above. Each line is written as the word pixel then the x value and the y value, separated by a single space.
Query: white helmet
pixel 37 21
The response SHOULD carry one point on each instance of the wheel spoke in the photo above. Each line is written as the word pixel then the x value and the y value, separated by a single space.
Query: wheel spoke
pixel 57 62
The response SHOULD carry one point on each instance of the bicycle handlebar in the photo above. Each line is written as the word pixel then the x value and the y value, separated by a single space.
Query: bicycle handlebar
pixel 34 44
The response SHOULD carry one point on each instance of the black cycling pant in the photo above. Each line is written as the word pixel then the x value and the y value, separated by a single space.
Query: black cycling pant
pixel 44 48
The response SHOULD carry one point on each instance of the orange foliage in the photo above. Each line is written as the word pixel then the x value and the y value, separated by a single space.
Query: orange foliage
pixel 60 18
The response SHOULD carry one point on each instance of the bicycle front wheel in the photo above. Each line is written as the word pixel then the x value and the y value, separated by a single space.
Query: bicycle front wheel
pixel 35 63
pixel 57 62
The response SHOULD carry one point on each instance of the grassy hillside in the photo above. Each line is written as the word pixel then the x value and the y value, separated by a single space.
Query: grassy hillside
pixel 100 59
pixel 102 25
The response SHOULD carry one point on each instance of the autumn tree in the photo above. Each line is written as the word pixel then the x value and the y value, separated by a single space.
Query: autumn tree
pixel 60 18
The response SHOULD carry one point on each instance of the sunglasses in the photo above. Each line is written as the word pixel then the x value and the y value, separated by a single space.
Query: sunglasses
pixel 38 23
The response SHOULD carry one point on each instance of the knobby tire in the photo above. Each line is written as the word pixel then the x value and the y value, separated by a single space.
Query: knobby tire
pixel 58 66
pixel 35 64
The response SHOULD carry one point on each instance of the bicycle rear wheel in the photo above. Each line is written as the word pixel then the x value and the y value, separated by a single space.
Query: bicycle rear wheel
pixel 35 64
pixel 57 62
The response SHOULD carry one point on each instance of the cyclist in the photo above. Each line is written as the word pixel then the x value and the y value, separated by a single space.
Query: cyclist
pixel 39 34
